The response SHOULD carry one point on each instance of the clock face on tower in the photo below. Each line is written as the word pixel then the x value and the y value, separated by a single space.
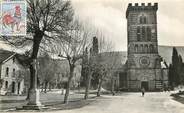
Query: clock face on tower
pixel 144 61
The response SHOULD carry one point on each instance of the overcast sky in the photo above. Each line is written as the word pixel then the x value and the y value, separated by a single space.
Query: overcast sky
pixel 109 16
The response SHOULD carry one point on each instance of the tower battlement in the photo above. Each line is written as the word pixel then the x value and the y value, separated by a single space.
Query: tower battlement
pixel 142 6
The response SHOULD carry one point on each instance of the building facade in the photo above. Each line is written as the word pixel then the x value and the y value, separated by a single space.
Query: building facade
pixel 12 82
pixel 144 62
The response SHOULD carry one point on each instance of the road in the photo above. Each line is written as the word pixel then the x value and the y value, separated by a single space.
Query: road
pixel 132 103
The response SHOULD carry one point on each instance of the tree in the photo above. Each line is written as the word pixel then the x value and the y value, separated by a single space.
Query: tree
pixel 97 66
pixel 103 68
pixel 47 70
pixel 72 49
pixel 47 20
pixel 176 69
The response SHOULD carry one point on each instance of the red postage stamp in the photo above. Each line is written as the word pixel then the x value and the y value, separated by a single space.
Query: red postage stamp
pixel 13 18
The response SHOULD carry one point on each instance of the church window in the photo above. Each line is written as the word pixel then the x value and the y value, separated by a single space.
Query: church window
pixel 141 48
pixel 146 48
pixel 149 33
pixel 151 48
pixel 136 48
pixel 138 34
pixel 143 33
pixel 142 19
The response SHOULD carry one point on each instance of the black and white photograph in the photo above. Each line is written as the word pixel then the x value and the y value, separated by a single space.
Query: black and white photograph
pixel 92 56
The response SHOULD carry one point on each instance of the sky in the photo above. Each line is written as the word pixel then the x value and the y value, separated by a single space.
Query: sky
pixel 109 17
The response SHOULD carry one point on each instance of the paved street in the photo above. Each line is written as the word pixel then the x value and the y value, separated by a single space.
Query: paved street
pixel 132 103
pixel 158 102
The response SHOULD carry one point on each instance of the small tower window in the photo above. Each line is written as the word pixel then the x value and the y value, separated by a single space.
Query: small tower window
pixel 149 33
pixel 143 33
pixel 142 19
pixel 138 34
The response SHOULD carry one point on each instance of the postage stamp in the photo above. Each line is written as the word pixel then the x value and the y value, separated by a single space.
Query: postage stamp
pixel 13 18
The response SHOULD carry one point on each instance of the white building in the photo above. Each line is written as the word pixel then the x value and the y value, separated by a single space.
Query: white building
pixel 12 80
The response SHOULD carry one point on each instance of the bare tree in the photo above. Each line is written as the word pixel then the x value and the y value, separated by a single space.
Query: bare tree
pixel 72 49
pixel 46 20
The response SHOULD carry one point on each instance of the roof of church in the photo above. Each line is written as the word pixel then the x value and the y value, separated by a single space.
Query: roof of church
pixel 4 54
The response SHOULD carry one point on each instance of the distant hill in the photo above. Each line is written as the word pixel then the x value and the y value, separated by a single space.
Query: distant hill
pixel 164 51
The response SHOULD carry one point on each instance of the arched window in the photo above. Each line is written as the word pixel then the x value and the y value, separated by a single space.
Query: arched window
pixel 151 48
pixel 146 48
pixel 138 34
pixel 136 48
pixel 142 19
pixel 144 33
pixel 6 84
pixel 141 48
pixel 149 33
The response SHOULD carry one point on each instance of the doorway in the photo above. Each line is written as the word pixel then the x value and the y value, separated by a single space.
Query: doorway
pixel 144 85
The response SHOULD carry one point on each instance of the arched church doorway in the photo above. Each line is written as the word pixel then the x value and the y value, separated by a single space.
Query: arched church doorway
pixel 144 84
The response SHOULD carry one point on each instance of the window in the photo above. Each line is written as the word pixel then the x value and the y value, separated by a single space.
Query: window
pixel 142 19
pixel 146 48
pixel 6 84
pixel 138 34
pixel 143 33
pixel 13 73
pixel 151 48
pixel 141 49
pixel 13 59
pixel 136 48
pixel 7 71
pixel 149 33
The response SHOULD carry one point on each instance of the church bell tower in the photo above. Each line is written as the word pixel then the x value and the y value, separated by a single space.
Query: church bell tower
pixel 144 68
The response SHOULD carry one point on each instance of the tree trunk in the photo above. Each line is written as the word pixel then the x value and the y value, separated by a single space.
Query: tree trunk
pixel 45 89
pixel 112 86
pixel 33 75
pixel 69 84
pixel 42 87
pixel 99 87
pixel 50 86
pixel 88 83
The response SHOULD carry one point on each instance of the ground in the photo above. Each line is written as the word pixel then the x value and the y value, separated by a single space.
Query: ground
pixel 133 103
pixel 152 102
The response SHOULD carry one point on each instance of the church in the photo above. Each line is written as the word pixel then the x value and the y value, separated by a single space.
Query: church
pixel 143 65
pixel 144 69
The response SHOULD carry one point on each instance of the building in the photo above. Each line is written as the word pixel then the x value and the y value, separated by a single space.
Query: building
pixel 144 63
pixel 12 80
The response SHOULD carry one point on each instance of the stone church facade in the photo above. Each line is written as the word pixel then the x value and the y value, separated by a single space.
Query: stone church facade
pixel 144 62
